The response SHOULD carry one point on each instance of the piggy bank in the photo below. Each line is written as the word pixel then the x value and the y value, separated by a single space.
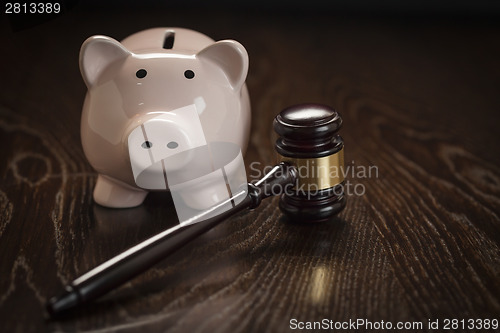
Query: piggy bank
pixel 158 93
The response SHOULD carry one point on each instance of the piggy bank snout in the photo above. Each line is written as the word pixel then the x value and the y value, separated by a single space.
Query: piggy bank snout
pixel 156 144
pixel 158 138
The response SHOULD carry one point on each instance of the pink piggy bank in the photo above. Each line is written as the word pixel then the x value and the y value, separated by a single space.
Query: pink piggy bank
pixel 157 93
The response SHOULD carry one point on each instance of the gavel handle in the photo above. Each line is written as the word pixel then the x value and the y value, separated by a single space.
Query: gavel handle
pixel 120 269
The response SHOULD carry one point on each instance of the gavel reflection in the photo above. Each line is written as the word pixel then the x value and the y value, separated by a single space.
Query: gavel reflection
pixel 308 179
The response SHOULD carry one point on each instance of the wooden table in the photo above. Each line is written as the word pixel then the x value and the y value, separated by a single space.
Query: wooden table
pixel 419 239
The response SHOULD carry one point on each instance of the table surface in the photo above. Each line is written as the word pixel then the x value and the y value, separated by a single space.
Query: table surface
pixel 419 239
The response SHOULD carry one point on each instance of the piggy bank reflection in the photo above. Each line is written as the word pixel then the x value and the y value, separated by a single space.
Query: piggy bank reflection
pixel 158 93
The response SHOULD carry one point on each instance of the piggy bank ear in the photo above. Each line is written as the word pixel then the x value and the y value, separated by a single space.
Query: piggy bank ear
pixel 232 57
pixel 97 53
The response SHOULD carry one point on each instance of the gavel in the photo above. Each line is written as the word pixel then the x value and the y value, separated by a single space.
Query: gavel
pixel 308 178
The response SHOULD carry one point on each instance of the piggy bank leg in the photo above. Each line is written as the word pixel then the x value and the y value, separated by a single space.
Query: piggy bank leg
pixel 112 193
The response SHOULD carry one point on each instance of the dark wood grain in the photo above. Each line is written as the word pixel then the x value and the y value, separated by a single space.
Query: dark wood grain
pixel 419 99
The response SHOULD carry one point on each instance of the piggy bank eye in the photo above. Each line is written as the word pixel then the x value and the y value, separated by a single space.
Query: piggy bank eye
pixel 141 73
pixel 147 144
pixel 189 74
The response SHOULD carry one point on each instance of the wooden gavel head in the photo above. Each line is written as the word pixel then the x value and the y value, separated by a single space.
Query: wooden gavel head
pixel 308 140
